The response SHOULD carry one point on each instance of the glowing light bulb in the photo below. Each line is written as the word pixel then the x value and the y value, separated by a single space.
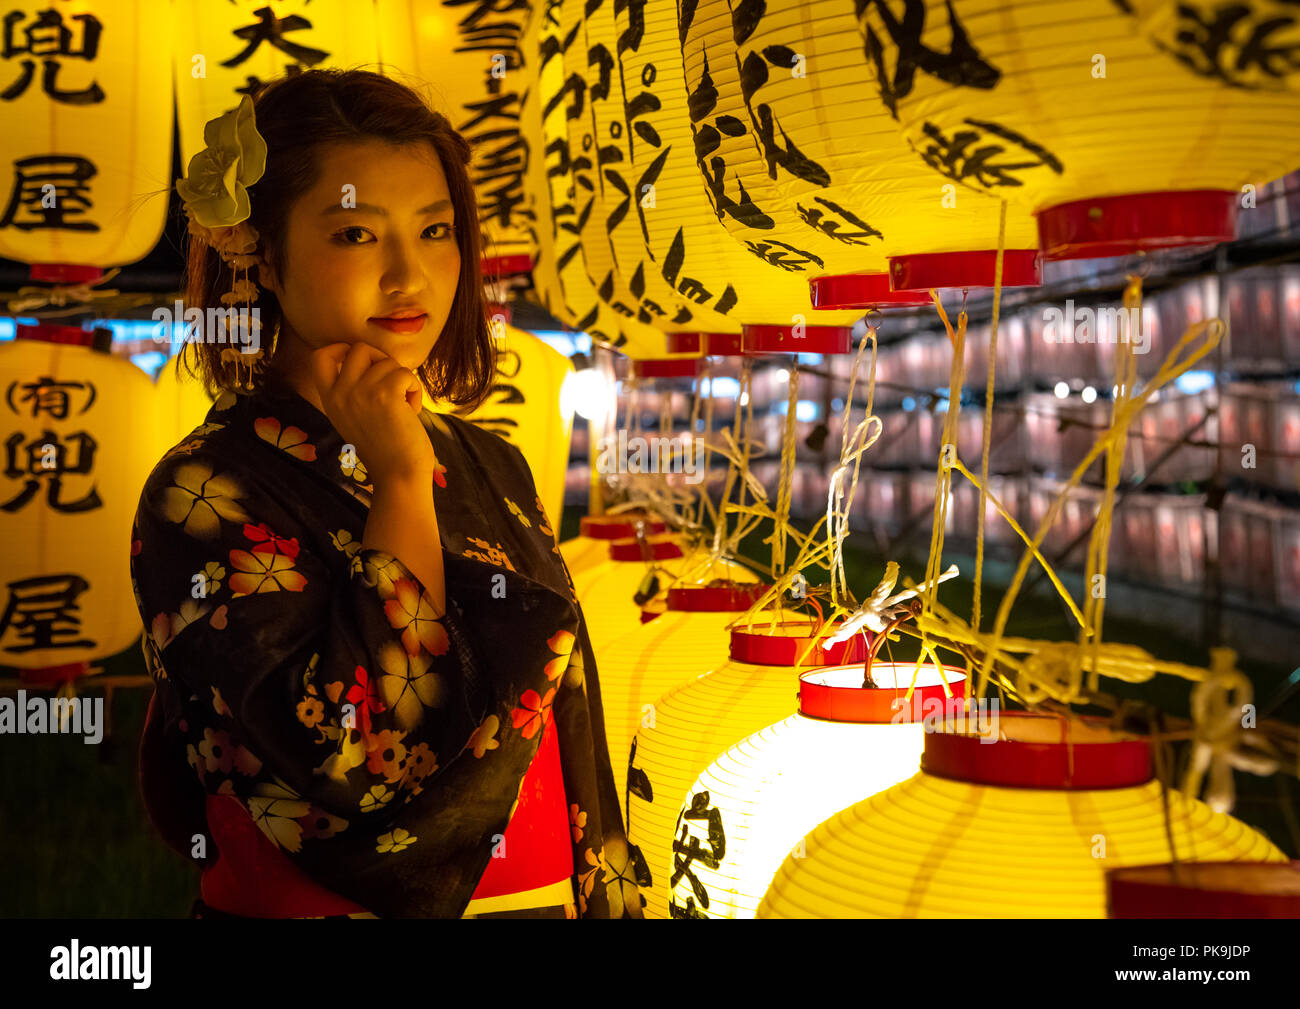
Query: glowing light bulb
pixel 586 393
pixel 1089 394
pixel 1062 390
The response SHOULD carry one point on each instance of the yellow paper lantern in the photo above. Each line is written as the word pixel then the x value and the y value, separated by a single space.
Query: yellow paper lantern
pixel 693 723
pixel 87 123
pixel 1070 110
pixel 1018 822
pixel 81 434
pixel 630 154
pixel 839 190
pixel 591 546
pixel 182 402
pixel 226 50
pixel 477 76
pixel 688 633
pixel 606 592
pixel 753 804
pixel 682 231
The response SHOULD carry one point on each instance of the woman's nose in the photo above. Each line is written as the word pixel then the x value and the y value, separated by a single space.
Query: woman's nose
pixel 403 271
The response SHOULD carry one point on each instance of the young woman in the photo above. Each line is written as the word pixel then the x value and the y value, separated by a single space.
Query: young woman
pixel 354 713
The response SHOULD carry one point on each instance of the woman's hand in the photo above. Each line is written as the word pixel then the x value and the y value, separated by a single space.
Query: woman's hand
pixel 374 403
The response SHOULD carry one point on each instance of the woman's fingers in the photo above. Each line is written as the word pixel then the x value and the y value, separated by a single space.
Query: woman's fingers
pixel 360 357
pixel 325 364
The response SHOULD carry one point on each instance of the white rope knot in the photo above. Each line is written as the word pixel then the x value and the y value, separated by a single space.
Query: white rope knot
pixel 882 609
pixel 60 295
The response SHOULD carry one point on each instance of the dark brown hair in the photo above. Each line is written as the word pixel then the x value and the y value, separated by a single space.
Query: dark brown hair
pixel 296 115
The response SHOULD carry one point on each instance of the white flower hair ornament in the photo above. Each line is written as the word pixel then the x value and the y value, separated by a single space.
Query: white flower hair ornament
pixel 214 193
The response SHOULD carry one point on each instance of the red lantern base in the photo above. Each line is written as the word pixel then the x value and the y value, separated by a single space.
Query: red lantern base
pixel 860 290
pixel 1020 268
pixel 506 266
pixel 1137 222
pixel 782 644
pixel 658 549
pixel 720 597
pixel 838 695
pixel 618 527
pixel 683 367
pixel 1205 890
pixel 1040 751
pixel 789 340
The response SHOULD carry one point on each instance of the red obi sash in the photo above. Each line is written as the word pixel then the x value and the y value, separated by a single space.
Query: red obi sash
pixel 251 877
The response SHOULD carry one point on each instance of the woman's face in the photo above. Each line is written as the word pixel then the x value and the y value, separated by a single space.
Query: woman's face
pixel 373 239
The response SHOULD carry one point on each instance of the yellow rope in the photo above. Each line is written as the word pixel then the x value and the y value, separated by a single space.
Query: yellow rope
pixel 988 420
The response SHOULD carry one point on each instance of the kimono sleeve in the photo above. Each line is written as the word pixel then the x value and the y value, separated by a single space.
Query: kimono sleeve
pixel 305 659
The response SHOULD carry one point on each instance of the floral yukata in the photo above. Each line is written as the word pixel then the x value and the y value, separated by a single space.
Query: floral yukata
pixel 379 747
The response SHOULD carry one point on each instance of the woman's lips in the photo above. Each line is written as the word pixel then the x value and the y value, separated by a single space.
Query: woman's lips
pixel 411 325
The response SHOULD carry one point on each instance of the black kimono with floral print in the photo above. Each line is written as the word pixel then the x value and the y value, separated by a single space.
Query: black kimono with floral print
pixel 381 748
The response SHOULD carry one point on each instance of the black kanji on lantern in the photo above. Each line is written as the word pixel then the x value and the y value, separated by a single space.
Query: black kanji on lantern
pixel 962 65
pixel 979 154
pixel 47 36
pixel 48 459
pixel 47 395
pixel 272 29
pixel 849 228
pixel 50 189
pixel 1235 43
pixel 41 612
pixel 687 849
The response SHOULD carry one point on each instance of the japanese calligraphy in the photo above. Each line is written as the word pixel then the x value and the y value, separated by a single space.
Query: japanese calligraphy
pixel 960 66
pixel 49 460
pixel 50 39
pixel 1237 44
pixel 850 229
pixel 51 190
pixel 41 612
pixel 687 850
pixel 272 29
pixel 48 395
pixel 973 154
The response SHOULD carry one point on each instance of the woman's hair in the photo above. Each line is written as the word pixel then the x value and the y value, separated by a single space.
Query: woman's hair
pixel 297 115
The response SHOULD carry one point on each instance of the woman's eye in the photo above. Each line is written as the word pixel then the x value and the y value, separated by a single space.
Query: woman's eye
pixel 340 236
pixel 446 229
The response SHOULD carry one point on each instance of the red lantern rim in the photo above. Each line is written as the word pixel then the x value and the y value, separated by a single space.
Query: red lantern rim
pixel 685 343
pixel 732 597
pixel 1137 222
pixel 680 367
pixel 1205 890
pixel 659 548
pixel 618 527
pixel 860 290
pixel 64 273
pixel 837 695
pixel 505 266
pixel 1031 754
pixel 1020 268
pixel 781 340
pixel 724 344
pixel 756 646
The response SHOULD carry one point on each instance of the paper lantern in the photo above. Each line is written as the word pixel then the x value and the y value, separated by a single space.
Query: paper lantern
pixel 606 592
pixel 693 723
pixel 1070 110
pixel 630 155
pixel 226 50
pixel 524 409
pixel 1205 890
pixel 479 85
pixel 591 546
pixel 81 435
pixel 687 634
pixel 752 805
pixel 831 188
pixel 1023 827
pixel 181 400
pixel 686 249
pixel 87 121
